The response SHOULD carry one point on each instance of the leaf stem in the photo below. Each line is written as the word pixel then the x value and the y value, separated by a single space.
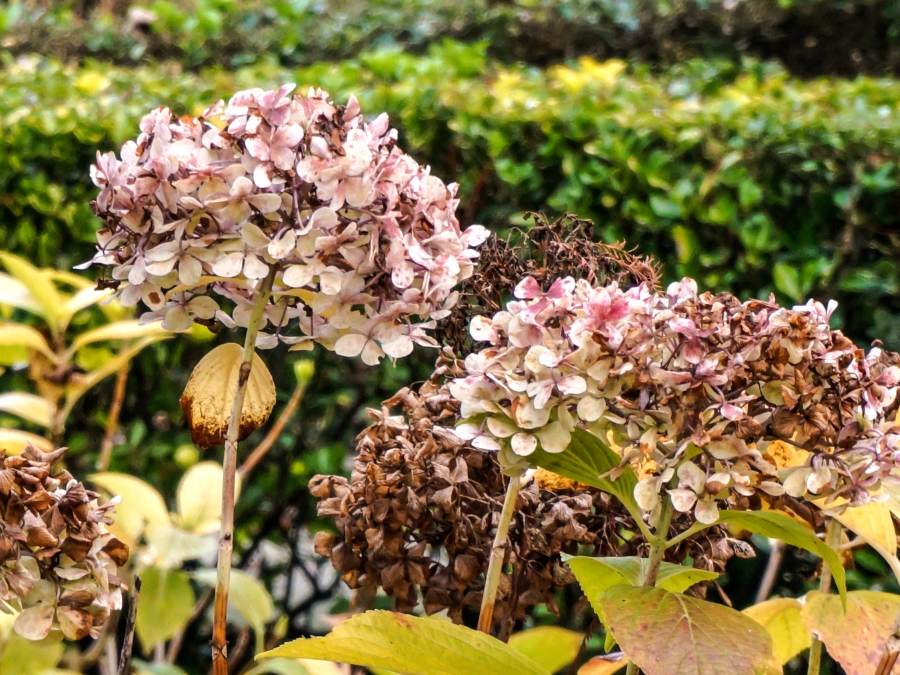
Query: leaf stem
pixel 833 539
pixel 229 467
pixel 498 553
pixel 658 546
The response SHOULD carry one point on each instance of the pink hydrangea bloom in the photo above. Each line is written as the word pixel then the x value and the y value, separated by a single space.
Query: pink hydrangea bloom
pixel 692 386
pixel 363 242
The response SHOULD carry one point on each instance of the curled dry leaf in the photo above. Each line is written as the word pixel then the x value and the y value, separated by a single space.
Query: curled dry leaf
pixel 209 394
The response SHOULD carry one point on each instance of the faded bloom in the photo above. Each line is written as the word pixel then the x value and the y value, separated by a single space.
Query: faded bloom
pixel 58 561
pixel 362 243
pixel 692 384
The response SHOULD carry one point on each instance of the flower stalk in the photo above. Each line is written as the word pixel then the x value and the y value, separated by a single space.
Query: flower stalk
pixel 229 469
pixel 832 539
pixel 498 553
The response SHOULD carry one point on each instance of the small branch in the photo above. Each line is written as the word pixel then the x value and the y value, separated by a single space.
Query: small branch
pixel 687 534
pixel 773 567
pixel 498 553
pixel 260 451
pixel 128 639
pixel 112 419
pixel 229 469
pixel 832 539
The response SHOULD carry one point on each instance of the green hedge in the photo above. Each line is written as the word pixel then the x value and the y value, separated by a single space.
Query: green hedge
pixel 743 177
pixel 808 36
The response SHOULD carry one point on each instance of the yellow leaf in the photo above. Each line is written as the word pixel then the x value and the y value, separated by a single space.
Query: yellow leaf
pixel 20 335
pixel 873 523
pixel 141 506
pixel 604 665
pixel 781 617
pixel 29 407
pixel 16 294
pixel 199 498
pixel 13 441
pixel 41 286
pixel 552 647
pixel 119 330
pixel 210 391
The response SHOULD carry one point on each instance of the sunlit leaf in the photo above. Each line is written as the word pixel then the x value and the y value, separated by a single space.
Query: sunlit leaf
pixel 86 297
pixel 170 547
pixel 604 665
pixel 16 294
pixel 248 596
pixel 165 605
pixel 411 644
pixel 297 667
pixel 859 637
pixel 13 441
pixel 210 391
pixel 199 497
pixel 29 407
pixel 779 526
pixel 19 655
pixel 673 634
pixel 551 647
pixel 781 617
pixel 873 523
pixel 141 505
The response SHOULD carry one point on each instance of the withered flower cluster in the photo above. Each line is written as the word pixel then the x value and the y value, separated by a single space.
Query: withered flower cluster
pixel 58 561
pixel 418 514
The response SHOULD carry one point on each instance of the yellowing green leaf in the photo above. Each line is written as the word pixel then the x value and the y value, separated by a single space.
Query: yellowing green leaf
pixel 210 390
pixel 777 525
pixel 857 638
pixel 85 298
pixel 411 644
pixel 673 634
pixel 781 617
pixel 13 441
pixel 551 647
pixel 29 407
pixel 199 497
pixel 165 605
pixel 41 288
pixel 169 547
pixel 16 294
pixel 141 505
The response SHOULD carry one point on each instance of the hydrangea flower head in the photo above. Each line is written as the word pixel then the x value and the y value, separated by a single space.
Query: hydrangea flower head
pixel 693 387
pixel 362 243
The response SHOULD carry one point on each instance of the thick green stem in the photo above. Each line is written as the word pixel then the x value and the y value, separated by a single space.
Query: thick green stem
pixel 229 467
pixel 833 539
pixel 658 546
pixel 498 553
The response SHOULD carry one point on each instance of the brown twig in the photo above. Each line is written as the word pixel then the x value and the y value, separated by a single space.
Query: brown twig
pixel 260 451
pixel 112 420
pixel 773 567
pixel 128 639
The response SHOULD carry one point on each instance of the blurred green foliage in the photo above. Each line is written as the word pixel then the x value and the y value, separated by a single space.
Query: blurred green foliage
pixel 810 36
pixel 742 176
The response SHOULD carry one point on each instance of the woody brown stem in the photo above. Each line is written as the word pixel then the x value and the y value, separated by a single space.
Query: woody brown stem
pixel 498 553
pixel 229 467
pixel 112 420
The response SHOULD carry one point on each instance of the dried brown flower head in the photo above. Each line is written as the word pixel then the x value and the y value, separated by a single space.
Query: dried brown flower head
pixel 417 515
pixel 58 561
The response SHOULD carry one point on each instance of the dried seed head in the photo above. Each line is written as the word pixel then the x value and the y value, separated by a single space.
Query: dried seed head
pixel 209 394
pixel 58 561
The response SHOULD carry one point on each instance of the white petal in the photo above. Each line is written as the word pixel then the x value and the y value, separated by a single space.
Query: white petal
pixel 229 265
pixel 523 444
pixel 554 438
pixel 350 345
pixel 297 276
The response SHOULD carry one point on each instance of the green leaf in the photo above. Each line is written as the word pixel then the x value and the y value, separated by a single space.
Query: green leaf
pixel 781 617
pixel 665 207
pixel 787 280
pixel 165 605
pixel 248 596
pixel 777 525
pixel 668 633
pixel 597 575
pixel 589 460
pixel 859 637
pixel 410 644
pixel 551 647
